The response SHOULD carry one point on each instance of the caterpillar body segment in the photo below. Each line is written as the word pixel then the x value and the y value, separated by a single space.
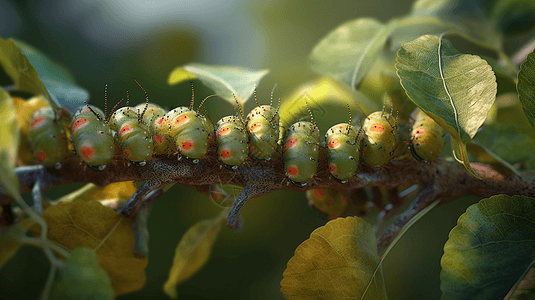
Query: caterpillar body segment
pixel 328 201
pixel 192 133
pixel 427 137
pixel 232 141
pixel 263 127
pixel 92 138
pixel 379 142
pixel 301 151
pixel 343 145
pixel 133 135
pixel 154 118
pixel 47 138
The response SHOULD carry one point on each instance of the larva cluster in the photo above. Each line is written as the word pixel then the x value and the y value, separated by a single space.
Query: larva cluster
pixel 146 130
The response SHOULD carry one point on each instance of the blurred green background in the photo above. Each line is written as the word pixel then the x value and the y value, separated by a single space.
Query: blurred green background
pixel 111 42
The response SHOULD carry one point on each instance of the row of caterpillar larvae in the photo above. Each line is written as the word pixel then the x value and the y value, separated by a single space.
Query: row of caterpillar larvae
pixel 147 129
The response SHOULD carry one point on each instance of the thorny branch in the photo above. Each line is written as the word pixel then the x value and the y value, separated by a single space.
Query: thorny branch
pixel 444 180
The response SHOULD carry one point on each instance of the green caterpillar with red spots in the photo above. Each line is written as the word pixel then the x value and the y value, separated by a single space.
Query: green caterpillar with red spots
pixel 92 137
pixel 47 137
pixel 138 133
pixel 427 137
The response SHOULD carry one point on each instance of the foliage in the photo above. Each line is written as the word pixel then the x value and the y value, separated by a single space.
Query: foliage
pixel 96 253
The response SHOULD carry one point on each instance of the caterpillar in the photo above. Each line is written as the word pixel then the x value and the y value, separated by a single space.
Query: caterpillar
pixel 427 137
pixel 47 137
pixel 154 119
pixel 263 128
pixel 92 137
pixel 301 151
pixel 232 141
pixel 379 141
pixel 192 132
pixel 343 145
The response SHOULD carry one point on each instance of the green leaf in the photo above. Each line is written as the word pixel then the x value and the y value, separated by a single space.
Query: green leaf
pixel 44 65
pixel 470 19
pixel 526 87
pixel 336 262
pixel 224 81
pixel 349 52
pixel 192 252
pixel 58 81
pixel 21 72
pixel 92 225
pixel 485 155
pixel 489 249
pixel 82 278
pixel 506 142
pixel 456 90
pixel 9 142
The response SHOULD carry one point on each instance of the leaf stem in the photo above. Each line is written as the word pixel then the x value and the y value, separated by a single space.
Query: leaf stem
pixel 45 244
pixel 45 294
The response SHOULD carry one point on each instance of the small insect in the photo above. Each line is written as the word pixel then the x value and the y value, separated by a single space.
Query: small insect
pixel 192 132
pixel 92 137
pixel 47 137
pixel 232 140
pixel 301 151
pixel 379 141
pixel 427 137
pixel 156 122
pixel 328 201
pixel 343 145
pixel 263 127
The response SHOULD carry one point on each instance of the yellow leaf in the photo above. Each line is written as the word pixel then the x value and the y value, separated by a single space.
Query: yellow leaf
pixel 10 239
pixel 179 75
pixel 192 253
pixel 336 262
pixel 327 99
pixel 25 110
pixel 92 225
pixel 113 191
pixel 9 141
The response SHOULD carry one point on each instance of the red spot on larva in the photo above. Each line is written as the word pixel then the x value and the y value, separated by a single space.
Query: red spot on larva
pixel 377 128
pixel 78 124
pixel 319 193
pixel 126 129
pixel 225 153
pixel 86 151
pixel 180 120
pixel 334 143
pixel 215 195
pixel 223 131
pixel 255 127
pixel 291 142
pixel 41 156
pixel 292 170
pixel 344 200
pixel 419 132
pixel 37 122
pixel 187 145
pixel 329 202
pixel 158 138
pixel 128 153
pixel 332 167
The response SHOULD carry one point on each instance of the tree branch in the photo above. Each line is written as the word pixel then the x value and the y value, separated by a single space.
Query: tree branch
pixel 444 180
